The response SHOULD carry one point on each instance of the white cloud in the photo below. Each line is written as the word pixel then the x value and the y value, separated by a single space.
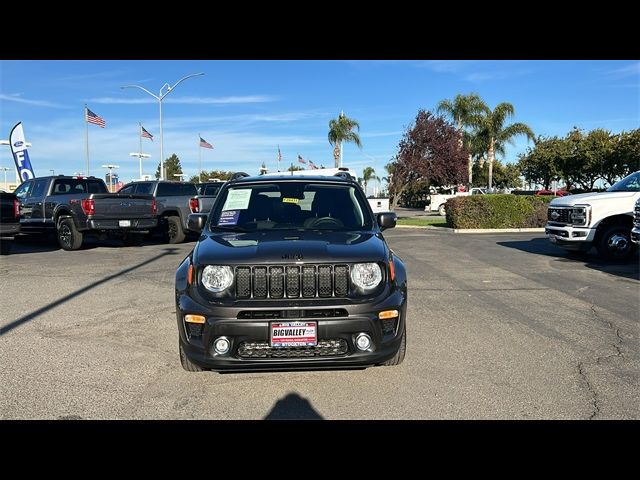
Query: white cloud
pixel 188 100
pixel 17 97
pixel 633 69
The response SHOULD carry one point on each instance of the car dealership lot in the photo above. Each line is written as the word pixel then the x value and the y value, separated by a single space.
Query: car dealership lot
pixel 500 326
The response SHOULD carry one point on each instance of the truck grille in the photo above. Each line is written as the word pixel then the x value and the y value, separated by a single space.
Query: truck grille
pixel 324 348
pixel 280 281
pixel 636 215
pixel 559 215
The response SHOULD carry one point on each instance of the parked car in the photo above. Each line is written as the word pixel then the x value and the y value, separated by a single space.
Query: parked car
pixel 207 193
pixel 437 201
pixel 175 201
pixel 73 207
pixel 9 221
pixel 635 231
pixel 603 220
pixel 291 272
pixel 557 193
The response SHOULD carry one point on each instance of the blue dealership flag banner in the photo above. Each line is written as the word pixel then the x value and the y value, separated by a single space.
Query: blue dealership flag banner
pixel 20 153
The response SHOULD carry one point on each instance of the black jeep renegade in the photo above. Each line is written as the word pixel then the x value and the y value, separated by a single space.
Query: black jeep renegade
pixel 291 272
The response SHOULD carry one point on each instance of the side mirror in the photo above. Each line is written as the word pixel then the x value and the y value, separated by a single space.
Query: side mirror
pixel 196 221
pixel 387 220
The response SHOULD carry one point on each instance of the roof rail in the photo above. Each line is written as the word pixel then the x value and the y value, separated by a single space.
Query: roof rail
pixel 238 176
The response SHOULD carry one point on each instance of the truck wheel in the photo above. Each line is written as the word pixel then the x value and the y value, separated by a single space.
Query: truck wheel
pixel 5 246
pixel 68 237
pixel 187 364
pixel 441 210
pixel 615 243
pixel 399 356
pixel 174 230
pixel 133 239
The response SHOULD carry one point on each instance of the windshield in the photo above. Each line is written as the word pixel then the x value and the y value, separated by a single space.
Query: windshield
pixel 291 206
pixel 627 184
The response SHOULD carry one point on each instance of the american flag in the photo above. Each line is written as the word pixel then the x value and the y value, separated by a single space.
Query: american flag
pixel 301 160
pixel 145 134
pixel 93 118
pixel 204 143
pixel 313 165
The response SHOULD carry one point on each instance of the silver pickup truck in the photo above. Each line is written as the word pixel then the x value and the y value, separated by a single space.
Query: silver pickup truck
pixel 207 194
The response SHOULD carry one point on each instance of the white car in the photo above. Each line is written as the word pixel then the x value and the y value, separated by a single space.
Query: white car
pixel 603 220
pixel 635 231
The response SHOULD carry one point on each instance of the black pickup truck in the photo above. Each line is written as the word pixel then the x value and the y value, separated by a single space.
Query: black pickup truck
pixel 76 206
pixel 9 220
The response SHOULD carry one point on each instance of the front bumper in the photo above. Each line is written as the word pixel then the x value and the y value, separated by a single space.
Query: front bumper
pixel 569 237
pixel 9 229
pixel 135 225
pixel 224 321
pixel 635 235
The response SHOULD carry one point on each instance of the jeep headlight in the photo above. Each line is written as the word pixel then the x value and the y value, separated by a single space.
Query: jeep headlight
pixel 580 215
pixel 217 278
pixel 366 275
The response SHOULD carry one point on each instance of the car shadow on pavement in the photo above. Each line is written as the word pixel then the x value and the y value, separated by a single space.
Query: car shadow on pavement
pixel 81 291
pixel 293 407
pixel 541 246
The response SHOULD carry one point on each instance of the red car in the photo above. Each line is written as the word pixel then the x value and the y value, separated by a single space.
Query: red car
pixel 559 193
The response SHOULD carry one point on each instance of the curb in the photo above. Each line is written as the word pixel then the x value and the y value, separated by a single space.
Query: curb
pixel 476 230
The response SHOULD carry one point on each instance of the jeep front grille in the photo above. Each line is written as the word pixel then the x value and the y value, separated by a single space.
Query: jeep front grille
pixel 324 348
pixel 292 281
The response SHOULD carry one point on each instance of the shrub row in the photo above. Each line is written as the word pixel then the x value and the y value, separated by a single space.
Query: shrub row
pixel 497 211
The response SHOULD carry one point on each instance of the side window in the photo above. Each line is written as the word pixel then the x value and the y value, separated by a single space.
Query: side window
pixel 39 187
pixel 23 190
pixel 165 190
pixel 94 186
pixel 128 189
pixel 144 189
pixel 61 187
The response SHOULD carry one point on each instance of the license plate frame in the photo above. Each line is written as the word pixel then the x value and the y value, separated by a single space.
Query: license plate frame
pixel 284 339
pixel 124 223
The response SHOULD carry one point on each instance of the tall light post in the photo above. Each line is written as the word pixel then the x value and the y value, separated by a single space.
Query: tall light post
pixel 110 167
pixel 180 176
pixel 160 98
pixel 5 170
pixel 140 155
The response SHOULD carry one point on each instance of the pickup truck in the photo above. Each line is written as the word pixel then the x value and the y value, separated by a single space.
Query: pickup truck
pixel 9 221
pixel 175 201
pixel 73 207
pixel 635 231
pixel 603 220
pixel 437 201
pixel 207 194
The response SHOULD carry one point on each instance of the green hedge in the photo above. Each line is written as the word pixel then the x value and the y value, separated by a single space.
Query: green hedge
pixel 497 211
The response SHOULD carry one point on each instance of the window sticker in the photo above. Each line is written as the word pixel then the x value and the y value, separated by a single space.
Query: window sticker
pixel 229 217
pixel 289 200
pixel 237 199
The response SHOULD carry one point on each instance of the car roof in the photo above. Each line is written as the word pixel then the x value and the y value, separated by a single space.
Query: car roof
pixel 294 178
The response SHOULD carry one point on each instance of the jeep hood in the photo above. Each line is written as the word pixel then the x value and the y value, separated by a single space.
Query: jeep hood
pixel 589 198
pixel 289 246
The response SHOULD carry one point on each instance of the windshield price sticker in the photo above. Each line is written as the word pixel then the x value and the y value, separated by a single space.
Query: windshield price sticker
pixel 229 217
pixel 237 199
pixel 289 200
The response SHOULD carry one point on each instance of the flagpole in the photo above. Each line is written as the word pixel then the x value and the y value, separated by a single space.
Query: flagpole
pixel 279 155
pixel 140 135
pixel 86 137
pixel 199 160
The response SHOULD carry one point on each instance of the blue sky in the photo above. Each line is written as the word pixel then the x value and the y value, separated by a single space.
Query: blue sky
pixel 247 108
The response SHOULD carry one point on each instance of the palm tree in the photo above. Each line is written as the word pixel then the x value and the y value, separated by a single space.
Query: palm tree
pixel 464 111
pixel 492 131
pixel 368 173
pixel 340 131
pixel 476 146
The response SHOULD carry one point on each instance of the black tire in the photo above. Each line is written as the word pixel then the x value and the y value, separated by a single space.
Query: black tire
pixel 614 243
pixel 187 364
pixel 174 230
pixel 133 239
pixel 68 237
pixel 5 246
pixel 399 356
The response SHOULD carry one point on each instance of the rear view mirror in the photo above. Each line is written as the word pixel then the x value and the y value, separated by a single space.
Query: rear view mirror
pixel 196 221
pixel 387 220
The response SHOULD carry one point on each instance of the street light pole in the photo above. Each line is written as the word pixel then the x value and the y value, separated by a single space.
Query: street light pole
pixel 5 170
pixel 110 167
pixel 160 98
pixel 140 155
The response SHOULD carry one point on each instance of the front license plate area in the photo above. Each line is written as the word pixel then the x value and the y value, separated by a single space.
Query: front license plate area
pixel 552 238
pixel 294 334
pixel 124 223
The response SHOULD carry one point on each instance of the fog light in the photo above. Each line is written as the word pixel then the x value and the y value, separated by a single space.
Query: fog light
pixel 221 345
pixel 363 341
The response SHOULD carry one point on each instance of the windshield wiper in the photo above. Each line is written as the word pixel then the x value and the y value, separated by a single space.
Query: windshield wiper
pixel 229 228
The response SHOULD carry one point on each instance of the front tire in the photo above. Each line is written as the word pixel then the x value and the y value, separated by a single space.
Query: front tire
pixel 615 243
pixel 69 238
pixel 441 210
pixel 187 364
pixel 174 230
pixel 399 356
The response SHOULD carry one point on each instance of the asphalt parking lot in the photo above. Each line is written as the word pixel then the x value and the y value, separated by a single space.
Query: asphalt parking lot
pixel 500 327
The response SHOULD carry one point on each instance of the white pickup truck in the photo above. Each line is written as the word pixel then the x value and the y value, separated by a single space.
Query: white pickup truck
pixel 437 201
pixel 603 220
